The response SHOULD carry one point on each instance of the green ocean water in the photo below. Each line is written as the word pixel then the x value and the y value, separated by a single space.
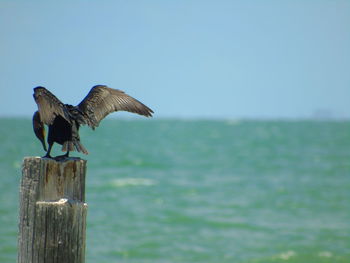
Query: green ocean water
pixel 201 191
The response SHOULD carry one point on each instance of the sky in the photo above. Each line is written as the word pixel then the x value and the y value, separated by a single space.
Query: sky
pixel 184 58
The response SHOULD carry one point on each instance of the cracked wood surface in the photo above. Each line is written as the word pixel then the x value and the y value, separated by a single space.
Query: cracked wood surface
pixel 52 216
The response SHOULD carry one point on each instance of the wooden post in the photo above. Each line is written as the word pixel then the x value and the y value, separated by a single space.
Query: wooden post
pixel 52 216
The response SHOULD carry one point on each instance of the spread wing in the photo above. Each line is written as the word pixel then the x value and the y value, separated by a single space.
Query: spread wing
pixel 102 100
pixel 49 106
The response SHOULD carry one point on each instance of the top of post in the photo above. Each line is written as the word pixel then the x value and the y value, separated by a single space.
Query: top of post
pixel 56 178
pixel 61 160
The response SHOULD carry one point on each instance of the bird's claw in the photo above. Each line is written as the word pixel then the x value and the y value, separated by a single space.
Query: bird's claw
pixel 61 157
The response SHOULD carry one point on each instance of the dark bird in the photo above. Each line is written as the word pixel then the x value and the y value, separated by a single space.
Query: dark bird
pixel 64 120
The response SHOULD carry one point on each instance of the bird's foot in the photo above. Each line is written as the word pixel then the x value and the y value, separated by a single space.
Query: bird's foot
pixel 62 157
pixel 47 156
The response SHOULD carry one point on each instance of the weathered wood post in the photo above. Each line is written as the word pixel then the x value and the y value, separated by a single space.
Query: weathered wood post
pixel 52 216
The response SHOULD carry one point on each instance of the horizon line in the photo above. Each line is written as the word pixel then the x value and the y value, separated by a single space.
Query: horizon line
pixel 205 118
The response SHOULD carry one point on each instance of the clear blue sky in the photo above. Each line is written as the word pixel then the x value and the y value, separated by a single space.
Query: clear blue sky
pixel 210 59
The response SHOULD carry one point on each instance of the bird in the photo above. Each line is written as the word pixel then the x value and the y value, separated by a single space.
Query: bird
pixel 64 120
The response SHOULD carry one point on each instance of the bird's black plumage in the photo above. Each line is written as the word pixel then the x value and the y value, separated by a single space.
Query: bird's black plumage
pixel 64 120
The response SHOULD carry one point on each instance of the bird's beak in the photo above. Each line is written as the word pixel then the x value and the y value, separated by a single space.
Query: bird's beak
pixel 39 129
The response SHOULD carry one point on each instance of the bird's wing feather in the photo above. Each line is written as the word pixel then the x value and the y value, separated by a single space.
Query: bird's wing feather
pixel 49 106
pixel 102 100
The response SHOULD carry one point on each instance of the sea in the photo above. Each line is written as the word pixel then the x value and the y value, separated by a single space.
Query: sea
pixel 178 191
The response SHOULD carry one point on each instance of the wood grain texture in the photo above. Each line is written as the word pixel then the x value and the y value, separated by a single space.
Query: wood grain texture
pixel 52 217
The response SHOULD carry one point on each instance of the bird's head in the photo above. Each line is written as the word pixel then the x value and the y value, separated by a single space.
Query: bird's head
pixel 39 129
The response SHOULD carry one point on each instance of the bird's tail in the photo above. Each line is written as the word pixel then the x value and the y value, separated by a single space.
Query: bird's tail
pixel 74 145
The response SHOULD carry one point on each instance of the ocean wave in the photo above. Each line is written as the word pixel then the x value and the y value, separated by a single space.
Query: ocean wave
pixel 325 254
pixel 286 255
pixel 122 182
